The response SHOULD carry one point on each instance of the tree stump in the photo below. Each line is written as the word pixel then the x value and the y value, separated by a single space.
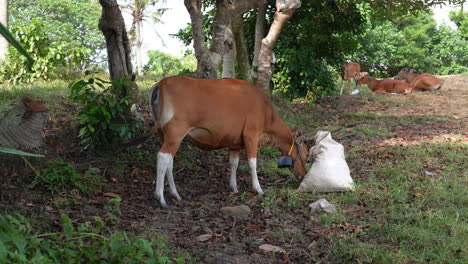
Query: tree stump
pixel 21 126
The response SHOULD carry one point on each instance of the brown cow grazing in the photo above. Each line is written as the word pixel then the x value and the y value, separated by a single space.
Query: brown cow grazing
pixel 419 82
pixel 385 85
pixel 215 114
pixel 348 72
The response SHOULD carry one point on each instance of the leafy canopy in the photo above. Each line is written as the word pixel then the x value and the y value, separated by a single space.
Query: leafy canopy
pixel 162 64
pixel 414 41
pixel 74 23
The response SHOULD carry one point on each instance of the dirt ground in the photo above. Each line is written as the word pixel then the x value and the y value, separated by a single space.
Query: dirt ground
pixel 205 186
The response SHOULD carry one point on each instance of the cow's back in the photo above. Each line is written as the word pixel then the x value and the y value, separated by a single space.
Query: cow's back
pixel 219 109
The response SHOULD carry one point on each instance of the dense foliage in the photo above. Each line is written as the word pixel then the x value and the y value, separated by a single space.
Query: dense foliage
pixel 162 64
pixel 62 37
pixel 460 18
pixel 88 243
pixel 105 116
pixel 51 58
pixel 312 43
pixel 74 23
pixel 416 42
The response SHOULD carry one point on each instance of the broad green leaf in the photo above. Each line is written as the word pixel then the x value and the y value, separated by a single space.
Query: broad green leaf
pixel 11 39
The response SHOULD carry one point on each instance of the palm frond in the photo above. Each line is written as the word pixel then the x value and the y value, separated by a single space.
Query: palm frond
pixel 18 152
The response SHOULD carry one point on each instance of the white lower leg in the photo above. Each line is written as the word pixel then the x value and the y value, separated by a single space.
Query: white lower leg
pixel 253 172
pixel 342 86
pixel 162 165
pixel 170 179
pixel 234 163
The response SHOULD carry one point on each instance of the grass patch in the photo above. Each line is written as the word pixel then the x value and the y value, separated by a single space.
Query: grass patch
pixel 412 207
pixel 62 176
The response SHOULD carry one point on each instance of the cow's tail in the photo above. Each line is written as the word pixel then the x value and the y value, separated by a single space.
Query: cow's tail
pixel 154 101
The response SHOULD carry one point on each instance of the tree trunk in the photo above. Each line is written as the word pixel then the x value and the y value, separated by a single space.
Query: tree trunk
pixel 138 47
pixel 229 62
pixel 259 35
pixel 4 21
pixel 210 59
pixel 112 26
pixel 243 64
pixel 205 64
pixel 284 11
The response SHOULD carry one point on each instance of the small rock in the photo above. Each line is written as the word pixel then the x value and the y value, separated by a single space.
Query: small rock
pixel 203 238
pixel 241 211
pixel 322 205
pixel 267 248
pixel 429 173
pixel 48 208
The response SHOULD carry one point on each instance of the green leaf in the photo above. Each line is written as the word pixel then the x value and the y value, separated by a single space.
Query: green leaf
pixel 3 253
pixel 11 39
pixel 18 152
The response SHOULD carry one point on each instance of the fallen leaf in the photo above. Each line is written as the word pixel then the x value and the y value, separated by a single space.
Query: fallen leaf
pixel 203 238
pixel 253 227
pixel 111 194
pixel 311 245
pixel 270 248
pixel 77 197
pixel 29 204
pixel 134 171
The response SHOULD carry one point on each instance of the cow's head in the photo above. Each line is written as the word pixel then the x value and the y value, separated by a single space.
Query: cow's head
pixel 299 162
pixel 404 73
pixel 364 77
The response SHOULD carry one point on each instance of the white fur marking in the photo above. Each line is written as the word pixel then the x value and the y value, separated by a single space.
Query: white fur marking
pixel 167 111
pixel 164 160
pixel 170 179
pixel 234 162
pixel 253 172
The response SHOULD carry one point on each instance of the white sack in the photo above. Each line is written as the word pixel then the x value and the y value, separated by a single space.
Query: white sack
pixel 329 172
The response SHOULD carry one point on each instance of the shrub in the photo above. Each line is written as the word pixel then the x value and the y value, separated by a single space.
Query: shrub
pixel 105 116
pixel 89 243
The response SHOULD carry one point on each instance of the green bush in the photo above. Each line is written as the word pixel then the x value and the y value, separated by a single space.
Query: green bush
pixel 62 176
pixel 163 64
pixel 50 58
pixel 105 116
pixel 88 243
pixel 301 77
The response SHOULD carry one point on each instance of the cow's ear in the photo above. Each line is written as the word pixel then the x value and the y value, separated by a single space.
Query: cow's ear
pixel 299 136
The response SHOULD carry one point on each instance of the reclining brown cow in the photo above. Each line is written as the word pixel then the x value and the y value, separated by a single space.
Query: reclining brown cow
pixel 385 85
pixel 226 113
pixel 419 82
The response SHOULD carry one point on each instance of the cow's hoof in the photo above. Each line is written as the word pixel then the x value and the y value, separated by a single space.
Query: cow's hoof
pixel 176 196
pixel 164 205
